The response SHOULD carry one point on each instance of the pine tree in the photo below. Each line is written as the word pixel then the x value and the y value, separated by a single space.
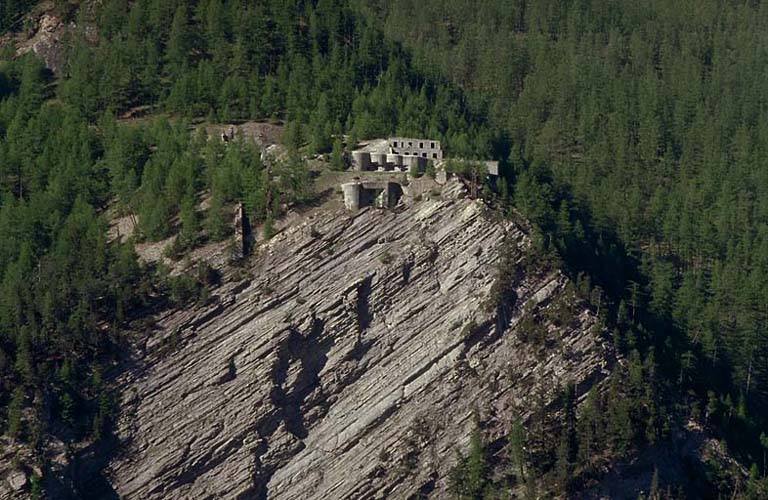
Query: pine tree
pixel 15 409
pixel 337 156
pixel 154 218
pixel 516 450
pixel 756 486
pixel 66 409
pixel 476 467
pixel 589 427
pixel 216 221
pixel 293 137
pixel 189 220
pixel 469 479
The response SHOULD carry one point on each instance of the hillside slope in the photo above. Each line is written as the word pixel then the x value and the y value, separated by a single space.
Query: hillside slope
pixel 353 364
pixel 355 354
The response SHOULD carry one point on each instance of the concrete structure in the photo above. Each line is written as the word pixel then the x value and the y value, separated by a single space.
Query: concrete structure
pixel 380 159
pixel 493 168
pixel 395 160
pixel 404 154
pixel 243 233
pixel 408 161
pixel 423 148
pixel 417 162
pixel 378 194
pixel 361 160
pixel 351 192
pixel 394 154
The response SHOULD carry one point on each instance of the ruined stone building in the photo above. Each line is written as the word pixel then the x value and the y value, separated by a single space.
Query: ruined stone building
pixel 424 148
pixel 243 234
pixel 400 155
pixel 385 194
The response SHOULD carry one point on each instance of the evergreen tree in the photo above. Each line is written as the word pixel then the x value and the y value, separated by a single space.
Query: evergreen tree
pixel 216 220
pixel 337 156
pixel 517 450
pixel 470 478
pixel 15 409
pixel 189 220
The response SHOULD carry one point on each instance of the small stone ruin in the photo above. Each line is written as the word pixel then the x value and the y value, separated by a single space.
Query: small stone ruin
pixel 383 194
pixel 243 233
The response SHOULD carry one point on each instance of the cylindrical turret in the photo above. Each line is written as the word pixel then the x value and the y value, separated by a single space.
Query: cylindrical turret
pixel 395 160
pixel 408 161
pixel 380 159
pixel 361 160
pixel 352 195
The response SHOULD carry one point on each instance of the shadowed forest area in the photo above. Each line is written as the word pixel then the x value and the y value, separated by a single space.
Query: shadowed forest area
pixel 637 142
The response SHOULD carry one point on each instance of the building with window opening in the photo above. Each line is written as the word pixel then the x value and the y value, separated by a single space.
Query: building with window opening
pixel 424 148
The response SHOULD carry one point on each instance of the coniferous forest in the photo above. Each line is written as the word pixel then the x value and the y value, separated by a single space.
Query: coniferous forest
pixel 634 135
pixel 635 138
pixel 66 157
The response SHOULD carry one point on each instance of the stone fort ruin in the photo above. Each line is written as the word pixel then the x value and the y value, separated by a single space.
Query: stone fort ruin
pixel 397 154
pixel 381 194
pixel 424 148
pixel 400 154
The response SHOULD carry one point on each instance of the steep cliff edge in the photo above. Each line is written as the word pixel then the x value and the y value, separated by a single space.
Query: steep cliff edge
pixel 356 358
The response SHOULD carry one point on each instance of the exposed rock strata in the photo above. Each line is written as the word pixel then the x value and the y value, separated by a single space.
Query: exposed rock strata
pixel 352 364
pixel 46 42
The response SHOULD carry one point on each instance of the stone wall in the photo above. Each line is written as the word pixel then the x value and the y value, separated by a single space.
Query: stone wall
pixel 424 148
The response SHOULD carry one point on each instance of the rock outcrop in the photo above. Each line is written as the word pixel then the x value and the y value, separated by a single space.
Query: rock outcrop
pixel 46 42
pixel 353 362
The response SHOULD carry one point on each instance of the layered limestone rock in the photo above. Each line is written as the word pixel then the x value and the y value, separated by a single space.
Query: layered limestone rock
pixel 46 42
pixel 354 361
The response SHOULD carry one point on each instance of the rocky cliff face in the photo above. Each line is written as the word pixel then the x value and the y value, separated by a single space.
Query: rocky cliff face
pixel 46 42
pixel 353 362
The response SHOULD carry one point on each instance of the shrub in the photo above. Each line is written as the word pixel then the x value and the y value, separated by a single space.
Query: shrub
pixel 430 171
pixel 183 289
pixel 174 250
pixel 207 274
pixel 386 257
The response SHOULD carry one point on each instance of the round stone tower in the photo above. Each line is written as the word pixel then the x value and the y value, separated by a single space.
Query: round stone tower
pixel 352 191
pixel 380 159
pixel 361 160
pixel 395 160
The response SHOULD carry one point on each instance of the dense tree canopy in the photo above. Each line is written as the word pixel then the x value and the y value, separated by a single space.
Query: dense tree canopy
pixel 635 135
pixel 66 291
pixel 11 13
pixel 314 63
pixel 631 133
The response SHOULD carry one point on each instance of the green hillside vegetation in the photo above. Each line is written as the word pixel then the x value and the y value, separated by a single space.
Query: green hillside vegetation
pixel 67 292
pixel 631 133
pixel 316 65
pixel 11 13
pixel 636 139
